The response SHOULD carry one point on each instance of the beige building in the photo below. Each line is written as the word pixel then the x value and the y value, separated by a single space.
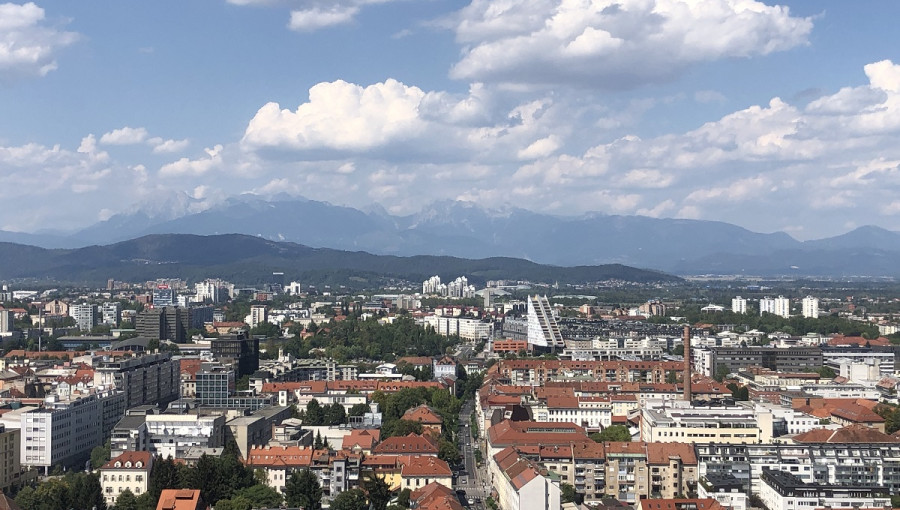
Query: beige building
pixel 10 464
pixel 129 471
pixel 680 421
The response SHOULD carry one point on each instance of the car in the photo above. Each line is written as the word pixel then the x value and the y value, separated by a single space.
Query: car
pixel 462 481
pixel 471 500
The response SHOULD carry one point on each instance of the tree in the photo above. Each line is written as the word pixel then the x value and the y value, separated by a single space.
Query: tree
pixel 613 433
pixel 100 455
pixel 403 498
pixel 568 493
pixel 335 414
pixel 358 410
pixel 260 496
pixel 302 489
pixel 353 499
pixel 315 414
pixel 448 452
pixel 126 501
pixel 379 492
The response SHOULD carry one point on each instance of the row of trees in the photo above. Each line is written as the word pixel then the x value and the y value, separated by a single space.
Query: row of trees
pixel 770 323
pixel 74 490
pixel 331 414
pixel 369 339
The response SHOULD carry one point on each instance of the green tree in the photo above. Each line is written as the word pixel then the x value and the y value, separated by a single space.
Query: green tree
pixel 335 414
pixel 353 499
pixel 568 492
pixel 235 503
pixel 261 496
pixel 358 410
pixel 613 433
pixel 378 491
pixel 302 489
pixel 100 455
pixel 448 451
pixel 403 498
pixel 315 414
pixel 126 501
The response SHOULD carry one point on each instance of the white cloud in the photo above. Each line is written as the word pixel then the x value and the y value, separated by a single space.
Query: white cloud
pixel 124 136
pixel 192 167
pixel 161 146
pixel 316 18
pixel 614 44
pixel 27 46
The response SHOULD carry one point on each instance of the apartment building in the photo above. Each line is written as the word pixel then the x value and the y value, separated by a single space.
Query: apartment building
pixel 781 490
pixel 522 484
pixel 128 471
pixel 144 379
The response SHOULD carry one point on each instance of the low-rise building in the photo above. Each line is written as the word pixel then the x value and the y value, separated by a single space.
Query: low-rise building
pixel 128 471
pixel 781 490
pixel 522 484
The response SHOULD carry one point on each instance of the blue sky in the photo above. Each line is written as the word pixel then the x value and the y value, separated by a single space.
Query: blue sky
pixel 773 116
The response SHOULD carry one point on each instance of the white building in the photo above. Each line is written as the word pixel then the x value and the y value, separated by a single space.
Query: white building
pixel 174 434
pixel 521 484
pixel 111 313
pixel 129 471
pixel 257 315
pixel 62 431
pixel 543 330
pixel 781 490
pixel 85 315
pixel 681 422
pixel 739 305
pixel 811 307
pixel 467 329
pixel 783 306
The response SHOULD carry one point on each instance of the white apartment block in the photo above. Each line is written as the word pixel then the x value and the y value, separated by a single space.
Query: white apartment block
pixel 543 330
pixel 739 305
pixel 174 434
pixel 467 329
pixel 86 315
pixel 111 313
pixel 811 307
pixel 63 431
pixel 257 315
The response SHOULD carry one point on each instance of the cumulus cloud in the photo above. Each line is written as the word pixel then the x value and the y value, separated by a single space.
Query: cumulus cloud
pixel 27 46
pixel 316 18
pixel 614 44
pixel 193 167
pixel 124 136
pixel 161 146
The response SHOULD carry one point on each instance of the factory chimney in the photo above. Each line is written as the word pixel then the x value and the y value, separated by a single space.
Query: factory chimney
pixel 686 340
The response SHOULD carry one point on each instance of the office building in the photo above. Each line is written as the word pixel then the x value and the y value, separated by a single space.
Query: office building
pixel 148 379
pixel 166 323
pixel 239 349
pixel 86 315
pixel 163 295
pixel 111 313
pixel 781 490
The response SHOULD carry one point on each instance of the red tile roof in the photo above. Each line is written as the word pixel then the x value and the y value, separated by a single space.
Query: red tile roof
pixel 849 434
pixel 435 496
pixel 180 499
pixel 406 445
pixel 423 465
pixel 423 414
pixel 130 460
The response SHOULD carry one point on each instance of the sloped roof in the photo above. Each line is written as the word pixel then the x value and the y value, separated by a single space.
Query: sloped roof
pixel 131 459
pixel 180 499
pixel 435 496
pixel 849 434
pixel 406 445
pixel 423 465
pixel 423 414
pixel 280 456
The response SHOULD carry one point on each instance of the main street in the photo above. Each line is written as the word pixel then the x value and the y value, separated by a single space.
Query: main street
pixel 471 480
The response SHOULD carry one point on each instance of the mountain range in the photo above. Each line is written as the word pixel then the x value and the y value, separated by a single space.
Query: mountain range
pixel 250 260
pixel 463 229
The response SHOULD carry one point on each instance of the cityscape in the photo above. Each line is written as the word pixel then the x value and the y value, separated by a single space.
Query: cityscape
pixel 449 255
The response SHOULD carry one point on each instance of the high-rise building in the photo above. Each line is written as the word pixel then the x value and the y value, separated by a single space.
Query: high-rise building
pixel 167 323
pixel 258 315
pixel 86 315
pixel 811 307
pixel 163 295
pixel 7 321
pixel 739 305
pixel 242 351
pixel 148 379
pixel 766 305
pixel 543 330
pixel 111 313
pixel 783 306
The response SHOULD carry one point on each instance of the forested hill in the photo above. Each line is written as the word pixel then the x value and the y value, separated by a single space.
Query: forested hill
pixel 248 259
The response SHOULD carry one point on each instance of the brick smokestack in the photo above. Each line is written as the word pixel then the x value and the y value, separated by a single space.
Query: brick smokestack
pixel 686 340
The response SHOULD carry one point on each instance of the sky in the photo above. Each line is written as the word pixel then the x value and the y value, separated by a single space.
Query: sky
pixel 772 116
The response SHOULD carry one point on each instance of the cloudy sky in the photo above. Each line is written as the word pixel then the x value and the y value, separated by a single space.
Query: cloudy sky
pixel 771 116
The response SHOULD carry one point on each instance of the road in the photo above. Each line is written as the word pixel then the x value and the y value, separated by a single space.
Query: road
pixel 472 481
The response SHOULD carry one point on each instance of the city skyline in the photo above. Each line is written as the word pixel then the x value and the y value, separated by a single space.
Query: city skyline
pixel 772 116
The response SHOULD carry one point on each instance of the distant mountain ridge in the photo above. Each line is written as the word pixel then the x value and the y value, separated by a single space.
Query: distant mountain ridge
pixel 247 259
pixel 463 229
